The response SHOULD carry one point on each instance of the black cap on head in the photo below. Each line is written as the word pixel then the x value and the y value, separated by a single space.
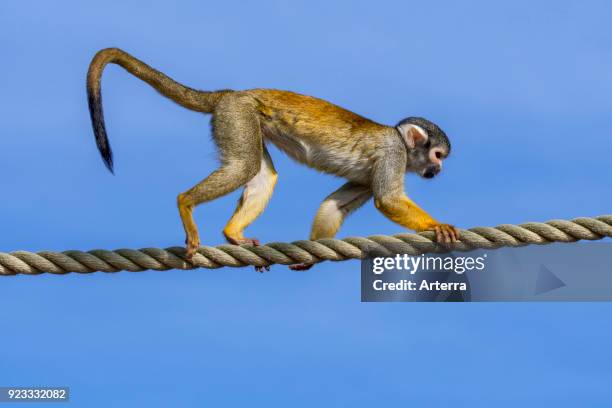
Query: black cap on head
pixel 436 135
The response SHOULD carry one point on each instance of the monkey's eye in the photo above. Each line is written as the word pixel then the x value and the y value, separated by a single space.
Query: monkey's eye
pixel 438 155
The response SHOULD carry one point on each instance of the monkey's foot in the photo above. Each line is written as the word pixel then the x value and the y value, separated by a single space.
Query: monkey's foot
pixel 446 233
pixel 300 267
pixel 262 269
pixel 251 241
pixel 192 247
pixel 241 241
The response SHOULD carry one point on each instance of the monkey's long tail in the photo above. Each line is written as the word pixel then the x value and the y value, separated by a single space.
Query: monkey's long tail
pixel 200 101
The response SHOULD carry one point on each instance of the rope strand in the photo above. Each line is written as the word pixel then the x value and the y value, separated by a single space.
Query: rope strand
pixel 506 235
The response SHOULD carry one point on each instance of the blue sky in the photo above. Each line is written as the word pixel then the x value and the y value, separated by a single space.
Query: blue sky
pixel 523 90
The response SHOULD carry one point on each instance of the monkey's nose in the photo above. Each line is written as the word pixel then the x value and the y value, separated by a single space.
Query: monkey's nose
pixel 431 171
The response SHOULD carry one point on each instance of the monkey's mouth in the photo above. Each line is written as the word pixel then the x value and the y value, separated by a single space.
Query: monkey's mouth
pixel 430 172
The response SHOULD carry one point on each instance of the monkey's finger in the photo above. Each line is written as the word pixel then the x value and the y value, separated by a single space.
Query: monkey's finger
pixel 438 234
pixel 442 236
pixel 300 267
pixel 447 238
pixel 452 234
pixel 457 232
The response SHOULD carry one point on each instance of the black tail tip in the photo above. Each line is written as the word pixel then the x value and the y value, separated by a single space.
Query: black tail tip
pixel 107 156
pixel 109 165
pixel 105 150
pixel 99 130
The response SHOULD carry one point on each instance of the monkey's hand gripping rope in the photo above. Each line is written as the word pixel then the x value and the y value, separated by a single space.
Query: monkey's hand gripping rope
pixel 506 235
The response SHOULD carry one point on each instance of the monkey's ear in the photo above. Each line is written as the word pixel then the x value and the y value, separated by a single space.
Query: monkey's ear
pixel 413 134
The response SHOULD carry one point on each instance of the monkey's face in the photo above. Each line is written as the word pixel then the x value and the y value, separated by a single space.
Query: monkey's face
pixel 426 160
pixel 427 146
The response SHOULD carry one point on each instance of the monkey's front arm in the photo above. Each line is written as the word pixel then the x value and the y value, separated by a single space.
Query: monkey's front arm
pixel 391 200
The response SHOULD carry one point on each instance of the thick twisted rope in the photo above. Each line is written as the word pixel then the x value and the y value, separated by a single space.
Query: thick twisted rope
pixel 506 235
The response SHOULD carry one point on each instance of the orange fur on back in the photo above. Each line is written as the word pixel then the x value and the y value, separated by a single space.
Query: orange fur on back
pixel 318 133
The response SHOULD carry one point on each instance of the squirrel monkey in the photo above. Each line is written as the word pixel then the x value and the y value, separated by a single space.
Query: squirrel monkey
pixel 372 157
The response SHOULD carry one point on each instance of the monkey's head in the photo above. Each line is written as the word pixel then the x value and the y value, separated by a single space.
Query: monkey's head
pixel 427 145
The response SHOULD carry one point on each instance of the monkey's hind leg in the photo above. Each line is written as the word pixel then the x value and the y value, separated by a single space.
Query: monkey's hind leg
pixel 236 130
pixel 333 211
pixel 254 199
